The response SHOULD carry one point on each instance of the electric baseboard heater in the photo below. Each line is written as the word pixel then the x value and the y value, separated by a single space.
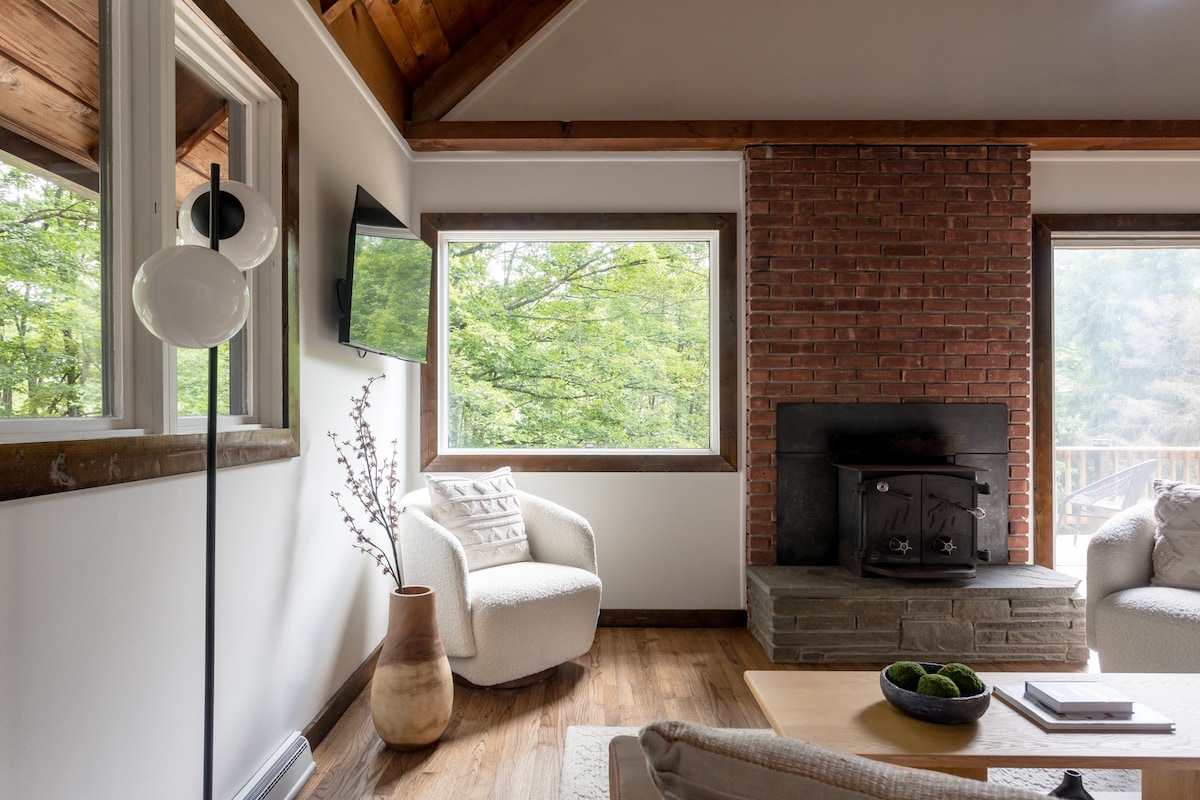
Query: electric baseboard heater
pixel 284 774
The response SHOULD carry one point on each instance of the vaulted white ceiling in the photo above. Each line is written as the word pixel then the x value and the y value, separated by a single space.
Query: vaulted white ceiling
pixel 852 59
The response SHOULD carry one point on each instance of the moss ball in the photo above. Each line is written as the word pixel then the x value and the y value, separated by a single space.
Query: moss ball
pixel 906 674
pixel 964 678
pixel 937 686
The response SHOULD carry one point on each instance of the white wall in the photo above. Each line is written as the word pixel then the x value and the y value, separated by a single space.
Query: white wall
pixel 1116 182
pixel 101 591
pixel 663 540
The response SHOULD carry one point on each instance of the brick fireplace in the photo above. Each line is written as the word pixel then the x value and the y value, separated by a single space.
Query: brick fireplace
pixel 893 274
pixel 886 274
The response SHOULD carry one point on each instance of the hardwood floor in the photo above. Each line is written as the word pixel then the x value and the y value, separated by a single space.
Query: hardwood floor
pixel 506 744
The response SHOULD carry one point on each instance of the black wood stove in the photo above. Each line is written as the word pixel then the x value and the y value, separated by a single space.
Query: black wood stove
pixel 906 507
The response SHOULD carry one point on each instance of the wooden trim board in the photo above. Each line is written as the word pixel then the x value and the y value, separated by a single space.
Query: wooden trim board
pixel 342 699
pixel 672 618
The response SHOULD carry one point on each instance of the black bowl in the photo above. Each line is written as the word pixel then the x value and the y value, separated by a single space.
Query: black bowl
pixel 943 710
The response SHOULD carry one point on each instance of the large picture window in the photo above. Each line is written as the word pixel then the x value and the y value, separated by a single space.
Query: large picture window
pixel 597 342
pixel 1116 389
pixel 156 92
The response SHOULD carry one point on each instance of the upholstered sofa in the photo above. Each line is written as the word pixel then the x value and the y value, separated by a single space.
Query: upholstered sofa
pixel 693 762
pixel 1140 615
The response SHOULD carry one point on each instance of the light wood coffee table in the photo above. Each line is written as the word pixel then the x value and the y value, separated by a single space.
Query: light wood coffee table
pixel 846 711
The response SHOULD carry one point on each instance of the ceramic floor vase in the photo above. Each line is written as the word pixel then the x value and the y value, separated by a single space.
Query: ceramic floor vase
pixel 412 693
pixel 1071 787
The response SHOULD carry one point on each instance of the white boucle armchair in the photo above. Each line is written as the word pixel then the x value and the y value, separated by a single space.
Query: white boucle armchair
pixel 511 624
pixel 1135 626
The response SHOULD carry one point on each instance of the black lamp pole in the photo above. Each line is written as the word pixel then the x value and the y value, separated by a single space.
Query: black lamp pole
pixel 214 216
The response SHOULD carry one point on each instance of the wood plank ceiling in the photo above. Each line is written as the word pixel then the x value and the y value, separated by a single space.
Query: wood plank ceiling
pixel 50 97
pixel 420 58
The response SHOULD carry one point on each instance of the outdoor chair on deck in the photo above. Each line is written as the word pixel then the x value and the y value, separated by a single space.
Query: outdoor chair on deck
pixel 1101 499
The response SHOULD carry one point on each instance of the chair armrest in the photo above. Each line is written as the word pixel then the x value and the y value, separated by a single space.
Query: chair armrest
pixel 556 534
pixel 432 556
pixel 1119 557
pixel 628 776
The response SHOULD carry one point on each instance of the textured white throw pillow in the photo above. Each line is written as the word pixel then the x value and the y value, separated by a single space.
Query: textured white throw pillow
pixel 483 513
pixel 1177 540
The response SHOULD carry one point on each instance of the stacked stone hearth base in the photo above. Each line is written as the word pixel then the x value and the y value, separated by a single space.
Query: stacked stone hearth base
pixel 829 615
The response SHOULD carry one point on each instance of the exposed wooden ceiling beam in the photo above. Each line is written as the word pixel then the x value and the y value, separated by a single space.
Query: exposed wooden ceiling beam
pixel 652 135
pixel 336 10
pixel 49 161
pixel 481 56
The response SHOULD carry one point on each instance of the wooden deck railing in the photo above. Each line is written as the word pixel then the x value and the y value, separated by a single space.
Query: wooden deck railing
pixel 1076 467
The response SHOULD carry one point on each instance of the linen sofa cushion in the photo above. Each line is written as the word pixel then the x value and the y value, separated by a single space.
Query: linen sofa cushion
pixel 483 514
pixel 1176 556
pixel 695 762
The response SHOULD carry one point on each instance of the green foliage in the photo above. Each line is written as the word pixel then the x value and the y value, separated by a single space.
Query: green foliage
pixel 579 344
pixel 391 296
pixel 1127 346
pixel 191 386
pixel 50 299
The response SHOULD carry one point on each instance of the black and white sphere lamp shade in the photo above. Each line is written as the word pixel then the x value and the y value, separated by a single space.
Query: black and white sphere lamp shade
pixel 247 231
pixel 191 296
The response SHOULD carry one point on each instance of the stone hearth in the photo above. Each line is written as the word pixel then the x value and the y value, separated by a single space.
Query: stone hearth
pixel 828 615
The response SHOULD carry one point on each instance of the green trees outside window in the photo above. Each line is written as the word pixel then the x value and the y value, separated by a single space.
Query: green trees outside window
pixel 1127 346
pixel 51 345
pixel 580 344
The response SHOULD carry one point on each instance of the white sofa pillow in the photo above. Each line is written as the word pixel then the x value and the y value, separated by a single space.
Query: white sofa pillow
pixel 1176 557
pixel 483 514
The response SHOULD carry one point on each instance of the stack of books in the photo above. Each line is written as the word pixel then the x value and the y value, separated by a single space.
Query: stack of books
pixel 1082 705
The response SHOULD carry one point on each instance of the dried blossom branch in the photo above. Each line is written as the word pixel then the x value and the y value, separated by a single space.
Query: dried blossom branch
pixel 373 484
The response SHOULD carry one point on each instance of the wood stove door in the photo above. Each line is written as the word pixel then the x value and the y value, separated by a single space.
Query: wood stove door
pixel 949 528
pixel 892 519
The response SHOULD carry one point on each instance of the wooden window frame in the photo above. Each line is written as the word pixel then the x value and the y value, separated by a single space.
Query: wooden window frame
pixel 725 457
pixel 47 467
pixel 1045 228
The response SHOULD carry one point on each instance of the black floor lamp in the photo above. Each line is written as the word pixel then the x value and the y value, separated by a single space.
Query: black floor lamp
pixel 196 297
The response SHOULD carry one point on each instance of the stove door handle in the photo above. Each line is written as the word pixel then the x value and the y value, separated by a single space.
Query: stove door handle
pixel 977 513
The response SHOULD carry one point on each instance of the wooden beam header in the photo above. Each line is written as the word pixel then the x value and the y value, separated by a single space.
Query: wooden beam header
pixel 714 135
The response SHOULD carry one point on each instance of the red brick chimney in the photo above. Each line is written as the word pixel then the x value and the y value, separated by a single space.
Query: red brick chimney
pixel 885 274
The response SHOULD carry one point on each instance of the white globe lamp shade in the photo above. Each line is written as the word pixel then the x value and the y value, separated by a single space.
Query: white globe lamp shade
pixel 191 296
pixel 247 230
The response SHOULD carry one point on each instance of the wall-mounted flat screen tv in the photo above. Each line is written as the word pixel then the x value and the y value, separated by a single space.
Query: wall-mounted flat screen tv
pixel 385 298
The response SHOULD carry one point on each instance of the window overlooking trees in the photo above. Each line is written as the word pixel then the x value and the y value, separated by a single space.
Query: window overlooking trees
pixel 1127 346
pixel 1126 379
pixel 1116 376
pixel 579 341
pixel 51 342
pixel 86 165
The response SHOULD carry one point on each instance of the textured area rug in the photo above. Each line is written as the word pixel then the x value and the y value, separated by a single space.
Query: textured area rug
pixel 585 769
